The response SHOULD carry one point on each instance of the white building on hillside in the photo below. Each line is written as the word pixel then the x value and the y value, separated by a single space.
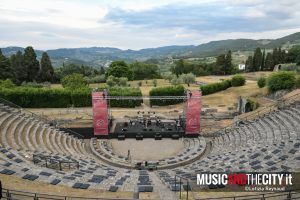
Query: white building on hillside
pixel 242 66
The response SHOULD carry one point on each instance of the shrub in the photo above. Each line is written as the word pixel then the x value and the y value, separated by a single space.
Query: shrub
pixel 140 83
pixel 238 80
pixel 154 81
pixel 166 91
pixel 7 83
pixel 123 81
pixel 81 97
pixel 253 103
pixel 125 91
pixel 215 87
pixel 297 83
pixel 261 82
pixel 74 81
pixel 36 85
pixel 37 97
pixel 281 80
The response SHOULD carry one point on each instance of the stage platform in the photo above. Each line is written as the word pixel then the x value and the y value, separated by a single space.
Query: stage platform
pixel 153 129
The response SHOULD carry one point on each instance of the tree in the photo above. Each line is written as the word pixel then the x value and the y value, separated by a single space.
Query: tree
pixel 178 68
pixel 249 64
pixel 188 78
pixel 293 53
pixel 46 72
pixel 257 59
pixel 102 70
pixel 275 56
pixel 176 81
pixel 17 65
pixel 269 64
pixel 220 64
pixel 74 81
pixel 119 69
pixel 142 71
pixel 263 60
pixel 228 63
pixel 31 63
pixel 5 68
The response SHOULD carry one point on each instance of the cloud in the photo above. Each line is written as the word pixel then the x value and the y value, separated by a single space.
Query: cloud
pixel 135 24
pixel 218 17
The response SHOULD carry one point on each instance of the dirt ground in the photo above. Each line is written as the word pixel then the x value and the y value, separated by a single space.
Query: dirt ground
pixel 148 148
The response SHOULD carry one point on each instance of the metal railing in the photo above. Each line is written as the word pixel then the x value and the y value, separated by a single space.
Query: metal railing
pixel 283 102
pixel 21 195
pixel 34 115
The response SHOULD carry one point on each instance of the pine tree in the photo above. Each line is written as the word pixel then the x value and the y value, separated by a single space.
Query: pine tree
pixel 257 59
pixel 46 72
pixel 18 67
pixel 249 64
pixel 31 63
pixel 269 64
pixel 263 60
pixel 5 68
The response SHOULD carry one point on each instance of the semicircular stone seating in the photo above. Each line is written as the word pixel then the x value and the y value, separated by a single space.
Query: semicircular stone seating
pixel 268 143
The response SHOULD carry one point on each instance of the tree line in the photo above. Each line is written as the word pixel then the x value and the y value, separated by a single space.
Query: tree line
pixel 24 67
pixel 264 61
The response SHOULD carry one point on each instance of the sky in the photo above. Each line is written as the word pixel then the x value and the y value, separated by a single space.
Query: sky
pixel 137 24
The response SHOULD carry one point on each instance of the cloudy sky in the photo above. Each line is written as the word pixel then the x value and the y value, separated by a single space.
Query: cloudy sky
pixel 136 24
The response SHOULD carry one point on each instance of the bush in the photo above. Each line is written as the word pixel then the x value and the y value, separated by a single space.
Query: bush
pixel 74 81
pixel 36 85
pixel 253 103
pixel 215 87
pixel 297 83
pixel 6 83
pixel 37 97
pixel 125 91
pixel 81 97
pixel 261 82
pixel 281 80
pixel 238 80
pixel 166 91
pixel 154 81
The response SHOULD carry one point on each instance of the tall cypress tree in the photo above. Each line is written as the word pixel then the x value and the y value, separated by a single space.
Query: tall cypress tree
pixel 5 68
pixel 257 58
pixel 275 56
pixel 31 63
pixel 262 68
pixel 249 64
pixel 46 72
pixel 18 67
pixel 269 64
pixel 228 63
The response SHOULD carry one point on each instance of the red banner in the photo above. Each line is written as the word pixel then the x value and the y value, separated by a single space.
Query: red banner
pixel 100 113
pixel 193 111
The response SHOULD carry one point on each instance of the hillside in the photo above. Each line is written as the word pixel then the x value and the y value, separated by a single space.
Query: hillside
pixel 101 56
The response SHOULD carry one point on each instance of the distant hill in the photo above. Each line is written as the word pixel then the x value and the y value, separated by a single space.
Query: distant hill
pixel 101 56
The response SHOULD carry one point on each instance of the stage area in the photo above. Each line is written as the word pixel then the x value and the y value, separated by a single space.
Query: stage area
pixel 148 149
